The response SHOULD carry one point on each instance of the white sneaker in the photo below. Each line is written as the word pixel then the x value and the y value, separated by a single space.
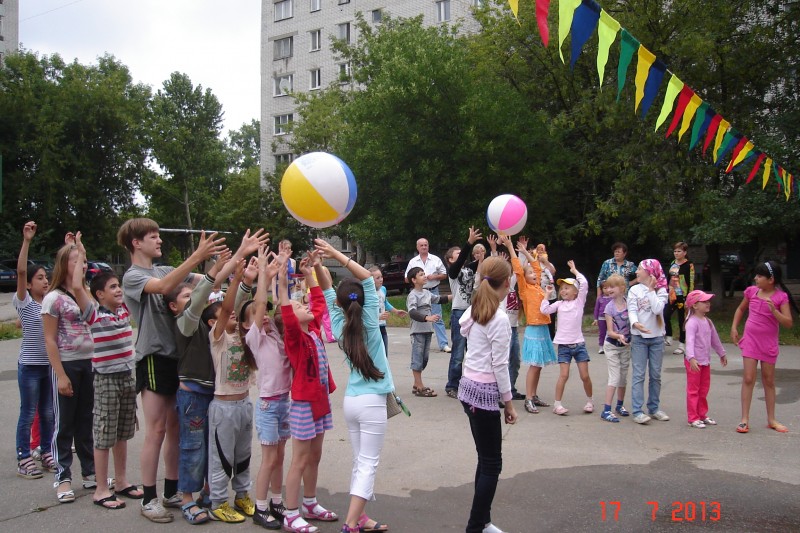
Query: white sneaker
pixel 697 424
pixel 491 528
pixel 641 418
pixel 155 512
pixel 660 415
pixel 601 350
pixel 446 349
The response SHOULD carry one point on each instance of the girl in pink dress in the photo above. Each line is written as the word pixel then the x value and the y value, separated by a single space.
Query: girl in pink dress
pixel 767 306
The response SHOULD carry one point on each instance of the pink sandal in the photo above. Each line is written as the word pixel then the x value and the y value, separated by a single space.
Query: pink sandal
pixel 288 525
pixel 318 512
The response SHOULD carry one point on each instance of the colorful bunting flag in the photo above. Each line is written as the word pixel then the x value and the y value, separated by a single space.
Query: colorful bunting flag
pixel 674 86
pixel 740 153
pixel 721 131
pixel 767 172
pixel 628 46
pixel 777 174
pixel 646 60
pixel 683 100
pixel 566 10
pixel 756 166
pixel 542 10
pixel 688 114
pixel 701 122
pixel 584 21
pixel 652 85
pixel 514 5
pixel 607 31
pixel 728 142
pixel 712 131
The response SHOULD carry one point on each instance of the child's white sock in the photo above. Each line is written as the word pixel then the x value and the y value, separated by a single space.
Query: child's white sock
pixel 557 403
pixel 262 505
pixel 276 498
pixel 311 502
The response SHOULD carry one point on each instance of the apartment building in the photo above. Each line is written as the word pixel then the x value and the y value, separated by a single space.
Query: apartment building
pixel 9 27
pixel 296 54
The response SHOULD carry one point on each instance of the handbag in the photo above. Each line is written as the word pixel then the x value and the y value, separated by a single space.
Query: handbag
pixel 394 405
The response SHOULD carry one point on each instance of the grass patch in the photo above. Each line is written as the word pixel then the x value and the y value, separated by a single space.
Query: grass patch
pixel 9 330
pixel 399 302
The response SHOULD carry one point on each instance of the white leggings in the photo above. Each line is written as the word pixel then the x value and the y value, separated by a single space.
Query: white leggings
pixel 366 422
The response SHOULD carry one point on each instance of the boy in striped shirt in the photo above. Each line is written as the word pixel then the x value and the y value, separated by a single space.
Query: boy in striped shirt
pixel 114 384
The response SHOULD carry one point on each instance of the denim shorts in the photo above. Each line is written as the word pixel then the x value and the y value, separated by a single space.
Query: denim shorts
pixel 192 410
pixel 272 420
pixel 420 350
pixel 568 352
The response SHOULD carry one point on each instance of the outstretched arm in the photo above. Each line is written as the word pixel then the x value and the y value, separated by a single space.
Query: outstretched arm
pixel 208 247
pixel 358 271
pixel 28 232
pixel 82 297
pixel 228 303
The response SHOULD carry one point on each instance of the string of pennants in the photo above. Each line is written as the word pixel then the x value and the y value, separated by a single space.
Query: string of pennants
pixel 582 17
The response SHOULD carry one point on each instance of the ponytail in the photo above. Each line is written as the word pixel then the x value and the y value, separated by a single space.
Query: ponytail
pixel 350 297
pixel 248 358
pixel 494 272
pixel 771 269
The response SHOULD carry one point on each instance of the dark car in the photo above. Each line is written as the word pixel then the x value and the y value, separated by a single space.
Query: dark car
pixel 734 273
pixel 93 268
pixel 8 279
pixel 394 274
pixel 12 264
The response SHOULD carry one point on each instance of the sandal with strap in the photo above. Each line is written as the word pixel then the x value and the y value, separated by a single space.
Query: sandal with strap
pixel 742 428
pixel 194 517
pixel 424 392
pixel 777 426
pixel 375 527
pixel 64 496
pixel 48 463
pixel 318 512
pixel 27 469
pixel 289 525
pixel 109 503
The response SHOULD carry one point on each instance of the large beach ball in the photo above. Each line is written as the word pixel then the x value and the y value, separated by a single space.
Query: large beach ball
pixel 507 214
pixel 319 189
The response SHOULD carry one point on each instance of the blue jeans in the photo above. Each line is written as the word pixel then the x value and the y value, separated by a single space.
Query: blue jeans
pixel 458 346
pixel 385 338
pixel 438 326
pixel 513 358
pixel 193 427
pixel 34 389
pixel 646 354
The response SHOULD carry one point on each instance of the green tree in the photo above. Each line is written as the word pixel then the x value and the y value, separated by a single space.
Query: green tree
pixel 244 146
pixel 74 145
pixel 186 127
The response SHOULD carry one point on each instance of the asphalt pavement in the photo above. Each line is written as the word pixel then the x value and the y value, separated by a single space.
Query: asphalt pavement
pixel 560 473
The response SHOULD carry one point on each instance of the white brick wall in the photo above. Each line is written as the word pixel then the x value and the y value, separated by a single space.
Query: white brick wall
pixel 303 60
pixel 9 11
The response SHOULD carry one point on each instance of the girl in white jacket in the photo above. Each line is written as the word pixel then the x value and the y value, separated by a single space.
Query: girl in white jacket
pixel 485 384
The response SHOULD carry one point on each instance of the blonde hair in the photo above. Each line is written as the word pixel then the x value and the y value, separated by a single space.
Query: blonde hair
pixel 135 228
pixel 478 247
pixel 615 280
pixel 494 273
pixel 61 268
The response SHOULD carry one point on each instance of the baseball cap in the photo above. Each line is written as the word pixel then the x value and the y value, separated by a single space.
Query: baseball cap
pixel 569 281
pixel 697 296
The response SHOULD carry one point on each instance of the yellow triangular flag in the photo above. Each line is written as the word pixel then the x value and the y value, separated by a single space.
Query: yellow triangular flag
pixel 721 131
pixel 767 172
pixel 646 59
pixel 514 5
pixel 688 114
pixel 673 88
pixel 607 30
pixel 566 10
pixel 748 147
pixel 787 187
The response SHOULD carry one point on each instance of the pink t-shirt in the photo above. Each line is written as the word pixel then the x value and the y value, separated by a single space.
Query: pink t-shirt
pixel 274 369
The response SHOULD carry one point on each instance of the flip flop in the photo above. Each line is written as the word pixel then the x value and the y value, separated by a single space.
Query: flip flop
pixel 742 428
pixel 777 426
pixel 109 499
pixel 376 527
pixel 130 492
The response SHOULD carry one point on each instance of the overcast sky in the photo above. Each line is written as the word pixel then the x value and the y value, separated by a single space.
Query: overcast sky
pixel 215 42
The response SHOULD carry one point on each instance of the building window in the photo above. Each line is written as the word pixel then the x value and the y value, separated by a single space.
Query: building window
pixel 344 72
pixel 316 5
pixel 443 11
pixel 316 40
pixel 283 159
pixel 282 85
pixel 283 48
pixel 377 16
pixel 282 124
pixel 316 79
pixel 283 10
pixel 344 32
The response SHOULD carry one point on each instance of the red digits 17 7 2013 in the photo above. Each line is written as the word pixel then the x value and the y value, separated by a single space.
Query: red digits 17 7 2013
pixel 680 511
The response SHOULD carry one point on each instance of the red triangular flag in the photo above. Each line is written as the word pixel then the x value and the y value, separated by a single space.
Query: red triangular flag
pixel 756 167
pixel 711 132
pixel 683 100
pixel 736 150
pixel 542 8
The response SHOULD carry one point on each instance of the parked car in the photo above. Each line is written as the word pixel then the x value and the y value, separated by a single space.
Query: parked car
pixel 12 264
pixel 734 273
pixel 93 268
pixel 394 274
pixel 8 279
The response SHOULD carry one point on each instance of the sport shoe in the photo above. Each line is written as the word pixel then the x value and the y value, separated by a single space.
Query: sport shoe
pixel 517 396
pixel 709 421
pixel 278 510
pixel 601 350
pixel 697 424
pixel 660 415
pixel 447 349
pixel 560 410
pixel 27 469
pixel 155 512
pixel 491 528
pixel 608 416
pixel 245 505
pixel 531 407
pixel 641 418
pixel 589 407
pixel 452 393
pixel 541 403
pixel 621 411
pixel 173 501
pixel 265 520
pixel 224 513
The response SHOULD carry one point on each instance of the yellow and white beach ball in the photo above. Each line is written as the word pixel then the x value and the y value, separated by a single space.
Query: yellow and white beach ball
pixel 319 189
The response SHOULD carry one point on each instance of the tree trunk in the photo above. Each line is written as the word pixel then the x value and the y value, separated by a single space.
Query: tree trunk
pixel 715 271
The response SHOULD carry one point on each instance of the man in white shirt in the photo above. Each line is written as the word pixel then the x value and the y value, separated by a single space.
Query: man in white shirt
pixel 435 272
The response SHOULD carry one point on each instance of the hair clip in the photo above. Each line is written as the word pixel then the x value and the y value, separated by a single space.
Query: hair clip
pixel 353 296
pixel 769 267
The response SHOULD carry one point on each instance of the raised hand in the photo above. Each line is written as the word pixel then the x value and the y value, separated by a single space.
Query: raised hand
pixel 29 231
pixel 251 243
pixel 78 243
pixel 524 240
pixel 69 238
pixel 474 235
pixel 222 259
pixel 492 239
pixel 324 248
pixel 250 271
pixel 209 246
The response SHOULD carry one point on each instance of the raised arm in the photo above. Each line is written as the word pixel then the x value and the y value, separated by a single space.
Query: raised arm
pixel 82 297
pixel 266 272
pixel 28 232
pixel 358 271
pixel 228 303
pixel 208 247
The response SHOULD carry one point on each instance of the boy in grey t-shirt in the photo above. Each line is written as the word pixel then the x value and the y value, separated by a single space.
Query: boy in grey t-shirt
pixel 419 309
